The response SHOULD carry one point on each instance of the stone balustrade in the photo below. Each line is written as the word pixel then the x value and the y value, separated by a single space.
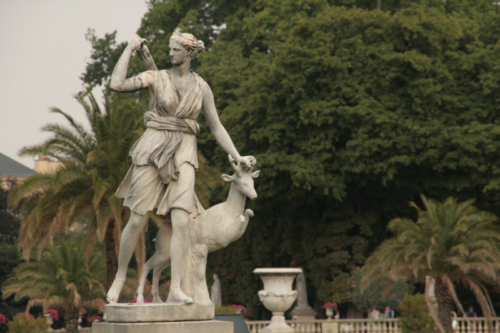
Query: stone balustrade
pixel 464 325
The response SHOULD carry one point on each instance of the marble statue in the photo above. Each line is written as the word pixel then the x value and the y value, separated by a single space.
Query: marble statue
pixel 164 159
pixel 303 310
pixel 213 229
pixel 215 292
pixel 301 291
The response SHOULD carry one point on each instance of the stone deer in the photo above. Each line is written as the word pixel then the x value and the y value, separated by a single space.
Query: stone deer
pixel 213 229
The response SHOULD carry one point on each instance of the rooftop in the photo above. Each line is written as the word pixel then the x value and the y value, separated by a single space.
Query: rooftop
pixel 11 168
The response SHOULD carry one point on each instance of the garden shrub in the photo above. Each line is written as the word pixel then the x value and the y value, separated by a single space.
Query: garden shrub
pixel 24 324
pixel 415 316
pixel 225 309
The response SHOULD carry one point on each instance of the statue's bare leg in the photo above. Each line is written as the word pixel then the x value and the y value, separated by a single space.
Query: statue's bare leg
pixel 178 253
pixel 128 243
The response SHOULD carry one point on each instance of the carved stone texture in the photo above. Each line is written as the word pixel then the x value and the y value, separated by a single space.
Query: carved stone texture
pixel 148 312
pixel 205 326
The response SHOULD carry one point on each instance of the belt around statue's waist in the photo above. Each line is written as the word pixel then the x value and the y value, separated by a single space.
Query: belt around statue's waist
pixel 169 123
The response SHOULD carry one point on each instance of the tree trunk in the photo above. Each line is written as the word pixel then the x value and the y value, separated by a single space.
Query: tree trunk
pixel 379 4
pixel 71 317
pixel 445 305
pixel 111 257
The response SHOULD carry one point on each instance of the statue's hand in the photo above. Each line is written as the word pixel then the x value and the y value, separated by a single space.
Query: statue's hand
pixel 137 43
pixel 248 162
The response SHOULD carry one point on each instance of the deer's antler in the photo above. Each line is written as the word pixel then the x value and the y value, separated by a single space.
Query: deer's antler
pixel 235 165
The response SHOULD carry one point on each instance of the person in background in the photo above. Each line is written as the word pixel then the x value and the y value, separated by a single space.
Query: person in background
pixel 454 322
pixel 375 314
pixel 471 313
pixel 388 314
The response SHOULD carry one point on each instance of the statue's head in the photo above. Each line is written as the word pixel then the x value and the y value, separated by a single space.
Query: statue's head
pixel 184 45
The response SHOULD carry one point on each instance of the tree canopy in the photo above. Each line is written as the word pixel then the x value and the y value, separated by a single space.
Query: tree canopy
pixel 351 113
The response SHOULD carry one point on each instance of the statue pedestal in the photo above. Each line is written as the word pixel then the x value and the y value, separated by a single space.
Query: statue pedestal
pixel 161 318
pixel 158 312
pixel 303 313
pixel 205 326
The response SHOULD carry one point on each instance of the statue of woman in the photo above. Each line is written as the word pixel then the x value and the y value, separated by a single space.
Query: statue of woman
pixel 164 159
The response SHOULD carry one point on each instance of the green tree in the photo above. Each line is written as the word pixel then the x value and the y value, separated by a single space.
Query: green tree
pixel 351 112
pixel 9 216
pixel 376 296
pixel 415 316
pixel 9 260
pixel 451 243
pixel 94 163
pixel 62 278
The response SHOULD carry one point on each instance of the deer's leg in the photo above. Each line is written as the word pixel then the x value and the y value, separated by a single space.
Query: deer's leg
pixel 142 281
pixel 163 240
pixel 159 258
pixel 244 222
pixel 129 239
pixel 156 280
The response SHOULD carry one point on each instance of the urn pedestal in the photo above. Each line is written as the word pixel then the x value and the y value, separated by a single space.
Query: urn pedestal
pixel 277 295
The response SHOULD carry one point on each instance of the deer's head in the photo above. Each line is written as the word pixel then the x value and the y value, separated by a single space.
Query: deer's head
pixel 242 179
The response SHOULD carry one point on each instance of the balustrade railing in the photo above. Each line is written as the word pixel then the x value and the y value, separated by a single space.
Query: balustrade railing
pixel 464 325
pixel 334 326
pixel 476 325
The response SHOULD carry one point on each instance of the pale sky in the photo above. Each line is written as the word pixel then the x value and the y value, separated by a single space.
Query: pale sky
pixel 43 53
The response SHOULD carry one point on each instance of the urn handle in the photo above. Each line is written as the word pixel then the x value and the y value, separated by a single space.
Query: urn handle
pixel 264 293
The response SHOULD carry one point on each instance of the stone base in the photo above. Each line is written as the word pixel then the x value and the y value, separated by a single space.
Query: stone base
pixel 303 313
pixel 278 324
pixel 158 312
pixel 202 326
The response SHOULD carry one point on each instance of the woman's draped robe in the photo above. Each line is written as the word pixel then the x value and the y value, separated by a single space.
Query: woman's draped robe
pixel 165 156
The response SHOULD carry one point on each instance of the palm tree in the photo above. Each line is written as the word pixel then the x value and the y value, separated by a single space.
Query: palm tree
pixel 450 243
pixel 62 278
pixel 94 163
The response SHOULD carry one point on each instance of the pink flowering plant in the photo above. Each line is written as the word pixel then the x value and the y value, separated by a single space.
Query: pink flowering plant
pixel 53 313
pixel 82 311
pixel 329 305
pixel 240 308
pixel 94 318
pixel 3 320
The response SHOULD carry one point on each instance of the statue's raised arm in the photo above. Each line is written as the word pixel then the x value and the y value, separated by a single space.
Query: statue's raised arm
pixel 119 81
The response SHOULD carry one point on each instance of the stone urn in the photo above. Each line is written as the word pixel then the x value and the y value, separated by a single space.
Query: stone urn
pixel 277 295
pixel 49 318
